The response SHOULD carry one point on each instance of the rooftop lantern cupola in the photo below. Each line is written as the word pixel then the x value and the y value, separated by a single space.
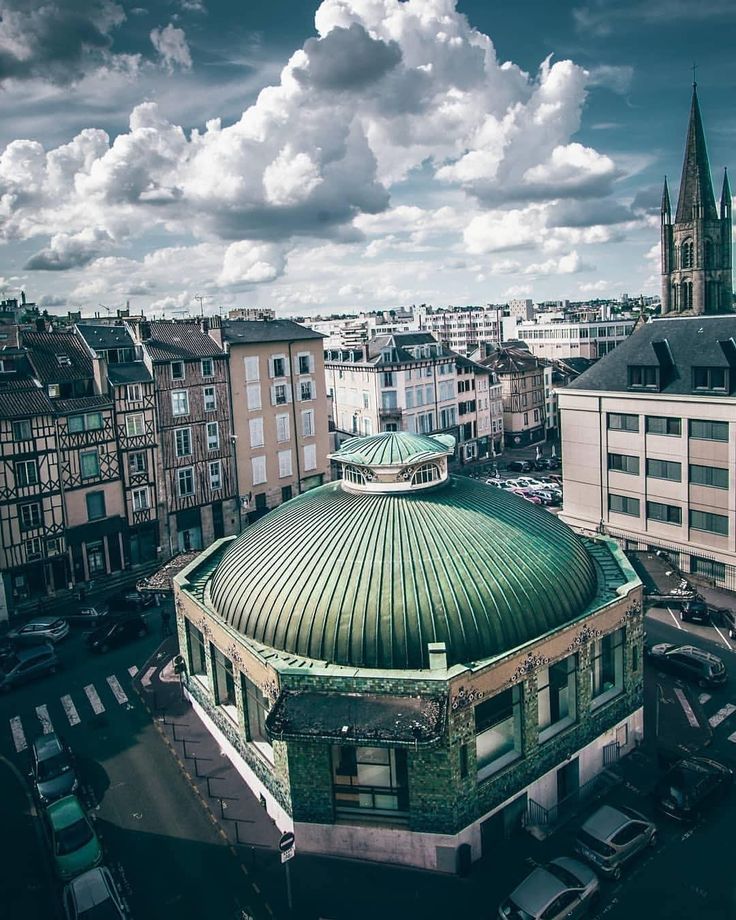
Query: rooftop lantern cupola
pixel 394 462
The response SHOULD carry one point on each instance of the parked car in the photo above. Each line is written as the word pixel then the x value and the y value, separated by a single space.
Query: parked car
pixel 613 836
pixel 74 843
pixel 688 662
pixel 528 495
pixel 93 896
pixel 52 769
pixel 727 617
pixel 27 663
pixel 519 466
pixel 695 611
pixel 530 482
pixel 117 632
pixel 562 888
pixel 131 600
pixel 495 482
pixel 42 629
pixel 549 497
pixel 690 785
pixel 87 616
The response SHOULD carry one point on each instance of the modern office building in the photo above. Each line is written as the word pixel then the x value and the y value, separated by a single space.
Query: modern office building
pixel 405 665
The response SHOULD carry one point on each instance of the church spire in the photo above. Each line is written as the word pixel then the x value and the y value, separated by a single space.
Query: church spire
pixel 696 197
pixel 666 209
pixel 725 197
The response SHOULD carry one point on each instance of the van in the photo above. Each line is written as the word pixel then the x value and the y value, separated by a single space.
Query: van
pixel 27 663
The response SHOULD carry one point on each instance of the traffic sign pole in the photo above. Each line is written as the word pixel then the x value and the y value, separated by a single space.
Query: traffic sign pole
pixel 287 848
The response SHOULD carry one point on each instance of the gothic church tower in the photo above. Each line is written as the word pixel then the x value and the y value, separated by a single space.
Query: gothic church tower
pixel 696 246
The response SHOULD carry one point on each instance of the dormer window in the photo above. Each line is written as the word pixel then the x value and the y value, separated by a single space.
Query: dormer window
pixel 643 377
pixel 710 378
pixel 63 360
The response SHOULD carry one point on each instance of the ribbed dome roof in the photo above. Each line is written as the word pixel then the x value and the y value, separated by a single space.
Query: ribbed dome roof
pixel 393 447
pixel 368 579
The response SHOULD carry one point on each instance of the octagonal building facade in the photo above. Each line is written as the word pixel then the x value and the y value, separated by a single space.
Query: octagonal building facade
pixel 409 666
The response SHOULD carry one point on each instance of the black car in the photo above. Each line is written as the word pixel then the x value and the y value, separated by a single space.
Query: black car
pixel 695 611
pixel 688 662
pixel 519 466
pixel 690 785
pixel 117 632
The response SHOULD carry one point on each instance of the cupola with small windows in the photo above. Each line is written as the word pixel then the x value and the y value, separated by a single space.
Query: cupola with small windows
pixel 393 462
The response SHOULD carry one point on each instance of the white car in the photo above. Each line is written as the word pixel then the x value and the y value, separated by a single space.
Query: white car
pixel 529 482
pixel 561 889
pixel 42 629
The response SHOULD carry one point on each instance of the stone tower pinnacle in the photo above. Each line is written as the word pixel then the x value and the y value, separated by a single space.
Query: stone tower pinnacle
pixel 696 246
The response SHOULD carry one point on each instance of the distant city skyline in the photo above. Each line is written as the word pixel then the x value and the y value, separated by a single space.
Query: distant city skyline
pixel 399 152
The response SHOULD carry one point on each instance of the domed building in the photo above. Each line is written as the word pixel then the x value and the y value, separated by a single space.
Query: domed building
pixel 407 665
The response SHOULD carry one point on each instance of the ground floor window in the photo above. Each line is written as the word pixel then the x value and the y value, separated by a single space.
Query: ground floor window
pixel 96 558
pixel 256 710
pixel 556 697
pixel 370 781
pixel 498 731
pixel 708 568
pixel 197 649
pixel 607 667
pixel 224 681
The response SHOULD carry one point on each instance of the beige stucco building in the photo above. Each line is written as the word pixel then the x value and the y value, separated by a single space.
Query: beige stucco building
pixel 280 412
pixel 649 444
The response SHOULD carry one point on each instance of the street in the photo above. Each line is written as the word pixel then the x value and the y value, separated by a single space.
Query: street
pixel 158 840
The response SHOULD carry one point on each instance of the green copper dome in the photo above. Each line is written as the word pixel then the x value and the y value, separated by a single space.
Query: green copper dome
pixel 370 579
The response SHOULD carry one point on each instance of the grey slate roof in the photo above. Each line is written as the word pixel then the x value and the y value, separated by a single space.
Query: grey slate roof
pixel 245 331
pixel 692 341
pixel 133 372
pixel 81 404
pixel 22 399
pixel 511 360
pixel 180 342
pixel 44 349
pixel 105 336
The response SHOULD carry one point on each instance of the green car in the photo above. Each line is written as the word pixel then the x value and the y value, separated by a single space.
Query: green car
pixel 73 841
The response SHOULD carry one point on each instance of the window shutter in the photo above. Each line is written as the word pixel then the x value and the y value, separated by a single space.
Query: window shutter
pixel 310 457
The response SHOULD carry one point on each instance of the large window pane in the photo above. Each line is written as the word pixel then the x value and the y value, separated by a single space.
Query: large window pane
pixel 498 731
pixel 607 666
pixel 556 696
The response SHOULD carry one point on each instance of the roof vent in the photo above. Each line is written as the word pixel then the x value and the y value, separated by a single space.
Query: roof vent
pixel 437 656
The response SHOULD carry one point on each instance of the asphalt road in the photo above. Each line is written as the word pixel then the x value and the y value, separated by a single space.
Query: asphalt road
pixel 158 840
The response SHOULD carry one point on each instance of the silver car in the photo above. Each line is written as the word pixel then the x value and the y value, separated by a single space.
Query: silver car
pixel 42 629
pixel 562 888
pixel 612 836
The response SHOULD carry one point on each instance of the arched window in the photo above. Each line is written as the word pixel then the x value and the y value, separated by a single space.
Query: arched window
pixel 686 254
pixel 428 472
pixel 708 254
pixel 354 475
pixel 686 295
pixel 675 298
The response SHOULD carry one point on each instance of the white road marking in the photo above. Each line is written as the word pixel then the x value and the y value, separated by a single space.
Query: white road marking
pixel 71 710
pixel 117 690
pixel 677 622
pixel 146 679
pixel 94 699
pixel 725 640
pixel 688 709
pixel 45 720
pixel 723 713
pixel 19 737
pixel 132 670
pixel 732 737
pixel 703 698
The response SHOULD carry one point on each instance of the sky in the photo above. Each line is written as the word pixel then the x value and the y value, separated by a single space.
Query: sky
pixel 349 155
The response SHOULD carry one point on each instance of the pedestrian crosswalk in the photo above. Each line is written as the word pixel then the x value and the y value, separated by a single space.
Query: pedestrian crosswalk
pixel 70 712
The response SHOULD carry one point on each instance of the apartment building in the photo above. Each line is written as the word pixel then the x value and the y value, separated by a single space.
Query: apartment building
pixel 87 454
pixel 410 382
pixel 33 559
pixel 197 494
pixel 560 339
pixel 521 375
pixel 649 440
pixel 280 411
pixel 463 329
pixel 121 372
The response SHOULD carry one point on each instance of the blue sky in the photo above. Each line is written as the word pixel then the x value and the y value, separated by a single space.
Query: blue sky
pixel 347 155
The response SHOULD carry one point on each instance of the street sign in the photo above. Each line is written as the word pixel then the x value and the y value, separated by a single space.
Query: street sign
pixel 286 842
pixel 286 855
